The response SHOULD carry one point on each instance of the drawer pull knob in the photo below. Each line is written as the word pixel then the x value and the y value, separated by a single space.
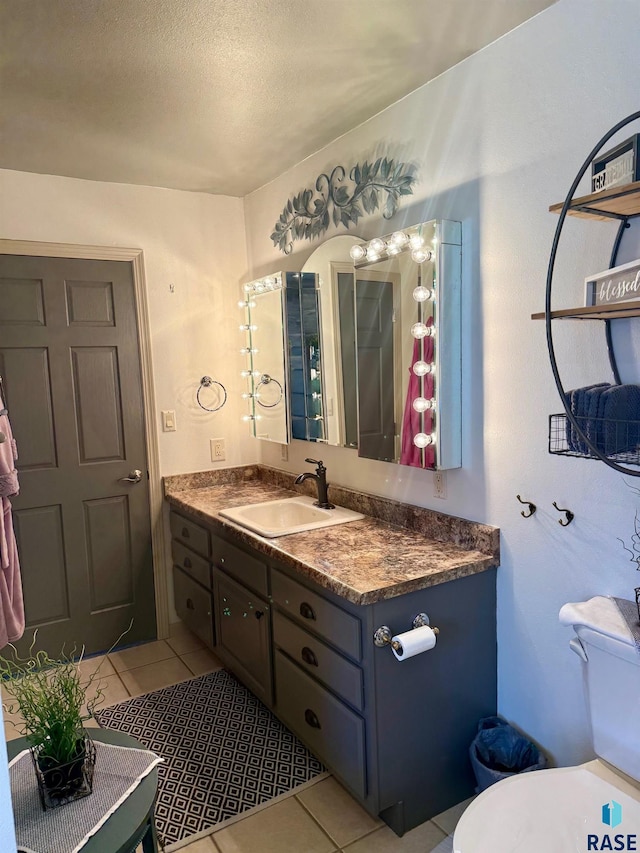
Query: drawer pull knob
pixel 308 656
pixel 311 719
pixel 186 563
pixel 259 614
pixel 306 610
pixel 190 604
pixel 185 533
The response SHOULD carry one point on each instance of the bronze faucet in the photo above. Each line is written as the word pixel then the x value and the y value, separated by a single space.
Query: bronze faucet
pixel 321 482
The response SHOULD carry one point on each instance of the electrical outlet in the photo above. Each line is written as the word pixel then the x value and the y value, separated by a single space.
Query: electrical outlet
pixel 217 450
pixel 284 452
pixel 440 485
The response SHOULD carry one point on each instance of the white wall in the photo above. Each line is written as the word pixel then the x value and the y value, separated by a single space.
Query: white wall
pixel 191 241
pixel 194 259
pixel 497 139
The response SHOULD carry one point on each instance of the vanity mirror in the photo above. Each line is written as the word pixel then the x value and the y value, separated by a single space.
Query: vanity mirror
pixel 407 309
pixel 366 358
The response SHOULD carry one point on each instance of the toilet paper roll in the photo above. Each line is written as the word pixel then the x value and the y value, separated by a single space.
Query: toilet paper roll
pixel 413 642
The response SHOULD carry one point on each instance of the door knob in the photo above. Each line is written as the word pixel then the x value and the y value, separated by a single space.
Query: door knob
pixel 134 476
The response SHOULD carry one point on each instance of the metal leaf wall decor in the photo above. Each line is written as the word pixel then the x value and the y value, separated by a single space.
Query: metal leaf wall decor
pixel 372 185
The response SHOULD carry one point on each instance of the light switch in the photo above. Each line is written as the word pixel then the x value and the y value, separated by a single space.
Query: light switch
pixel 168 421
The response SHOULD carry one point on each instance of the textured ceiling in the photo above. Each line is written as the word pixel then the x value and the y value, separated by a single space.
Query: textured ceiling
pixel 219 96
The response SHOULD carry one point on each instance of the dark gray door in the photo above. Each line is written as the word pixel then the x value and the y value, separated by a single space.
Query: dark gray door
pixel 70 364
pixel 348 356
pixel 374 329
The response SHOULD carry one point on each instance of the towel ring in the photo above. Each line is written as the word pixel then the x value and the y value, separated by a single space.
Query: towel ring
pixel 207 382
pixel 265 379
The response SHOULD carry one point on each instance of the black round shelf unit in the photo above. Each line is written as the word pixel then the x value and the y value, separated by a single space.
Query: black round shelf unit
pixel 623 218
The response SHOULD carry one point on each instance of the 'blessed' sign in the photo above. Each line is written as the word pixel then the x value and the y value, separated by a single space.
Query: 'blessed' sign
pixel 619 284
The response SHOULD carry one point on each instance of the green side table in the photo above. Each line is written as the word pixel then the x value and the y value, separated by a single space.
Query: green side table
pixel 132 823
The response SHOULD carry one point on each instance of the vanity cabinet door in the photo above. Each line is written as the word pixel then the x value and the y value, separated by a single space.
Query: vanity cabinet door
pixel 193 606
pixel 243 630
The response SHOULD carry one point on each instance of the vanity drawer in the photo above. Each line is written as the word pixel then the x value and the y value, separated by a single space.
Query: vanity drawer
pixel 330 729
pixel 244 567
pixel 193 606
pixel 321 662
pixel 191 563
pixel 196 537
pixel 318 615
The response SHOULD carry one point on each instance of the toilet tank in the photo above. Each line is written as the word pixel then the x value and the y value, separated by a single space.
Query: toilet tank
pixel 612 682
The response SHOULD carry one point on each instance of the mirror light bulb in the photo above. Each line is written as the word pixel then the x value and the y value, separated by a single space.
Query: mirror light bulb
pixel 416 241
pixel 377 245
pixel 421 293
pixel 421 404
pixel 399 239
pixel 357 252
pixel 421 368
pixel 419 330
pixel 423 440
pixel 421 255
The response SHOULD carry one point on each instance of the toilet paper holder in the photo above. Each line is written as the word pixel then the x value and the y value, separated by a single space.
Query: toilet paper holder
pixel 382 636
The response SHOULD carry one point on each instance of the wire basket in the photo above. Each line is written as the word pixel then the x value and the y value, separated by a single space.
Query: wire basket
pixel 617 440
pixel 62 783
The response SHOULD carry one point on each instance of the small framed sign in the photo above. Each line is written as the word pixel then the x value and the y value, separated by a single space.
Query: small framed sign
pixel 619 284
pixel 617 167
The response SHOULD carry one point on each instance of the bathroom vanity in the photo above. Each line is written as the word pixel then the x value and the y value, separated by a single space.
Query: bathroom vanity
pixel 294 618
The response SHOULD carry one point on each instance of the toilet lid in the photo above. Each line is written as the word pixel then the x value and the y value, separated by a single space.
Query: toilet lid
pixel 549 811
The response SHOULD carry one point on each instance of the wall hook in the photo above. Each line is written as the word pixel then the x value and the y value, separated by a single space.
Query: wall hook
pixel 570 516
pixel 532 508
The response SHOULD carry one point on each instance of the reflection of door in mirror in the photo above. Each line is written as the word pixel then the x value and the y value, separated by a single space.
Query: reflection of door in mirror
pixel 376 301
pixel 346 415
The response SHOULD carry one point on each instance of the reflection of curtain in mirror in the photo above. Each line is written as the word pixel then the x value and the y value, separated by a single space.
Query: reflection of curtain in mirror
pixel 411 425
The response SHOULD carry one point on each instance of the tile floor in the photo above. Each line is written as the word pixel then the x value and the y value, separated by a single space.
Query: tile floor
pixel 322 818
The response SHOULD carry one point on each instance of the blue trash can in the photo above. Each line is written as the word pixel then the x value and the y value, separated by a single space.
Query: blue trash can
pixel 499 751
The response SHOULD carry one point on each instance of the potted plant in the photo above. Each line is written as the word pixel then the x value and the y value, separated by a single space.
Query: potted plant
pixel 54 699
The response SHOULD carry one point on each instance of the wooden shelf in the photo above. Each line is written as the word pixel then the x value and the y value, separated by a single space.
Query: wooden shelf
pixel 595 312
pixel 615 203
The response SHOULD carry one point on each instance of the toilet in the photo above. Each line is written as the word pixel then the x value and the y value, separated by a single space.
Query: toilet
pixel 594 806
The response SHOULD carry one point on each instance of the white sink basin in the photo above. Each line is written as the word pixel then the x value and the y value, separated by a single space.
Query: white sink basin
pixel 290 515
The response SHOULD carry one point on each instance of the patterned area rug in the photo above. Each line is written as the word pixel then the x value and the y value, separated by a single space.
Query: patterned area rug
pixel 224 751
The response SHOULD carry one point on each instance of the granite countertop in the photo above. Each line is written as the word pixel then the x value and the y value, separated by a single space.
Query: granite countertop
pixel 397 548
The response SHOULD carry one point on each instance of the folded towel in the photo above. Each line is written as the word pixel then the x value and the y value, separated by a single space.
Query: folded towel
pixel 620 407
pixel 579 401
pixel 601 613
